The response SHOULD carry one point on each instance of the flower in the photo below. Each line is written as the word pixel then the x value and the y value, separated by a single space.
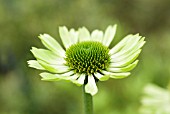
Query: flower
pixel 86 58
pixel 155 100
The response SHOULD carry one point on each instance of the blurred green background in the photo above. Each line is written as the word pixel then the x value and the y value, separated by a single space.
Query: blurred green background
pixel 21 21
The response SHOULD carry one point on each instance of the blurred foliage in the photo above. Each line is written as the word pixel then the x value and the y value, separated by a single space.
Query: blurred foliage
pixel 21 21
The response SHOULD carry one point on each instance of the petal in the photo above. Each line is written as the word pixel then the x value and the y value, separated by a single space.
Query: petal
pixel 132 42
pixel 54 68
pixel 127 60
pixel 47 56
pixel 130 46
pixel 52 44
pixel 65 37
pixel 116 75
pixel 49 77
pixel 84 34
pixel 109 35
pixel 101 77
pixel 35 64
pixel 91 87
pixel 124 69
pixel 69 73
pixel 119 46
pixel 97 36
pixel 80 80
pixel 55 77
pixel 125 53
pixel 74 36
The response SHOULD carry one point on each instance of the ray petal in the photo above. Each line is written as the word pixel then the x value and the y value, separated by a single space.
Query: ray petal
pixel 124 69
pixel 109 35
pixel 91 87
pixel 65 36
pixel 116 75
pixel 101 77
pixel 47 56
pixel 35 64
pixel 54 68
pixel 84 34
pixel 97 36
pixel 52 44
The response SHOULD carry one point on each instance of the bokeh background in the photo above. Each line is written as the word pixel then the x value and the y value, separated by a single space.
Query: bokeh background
pixel 21 21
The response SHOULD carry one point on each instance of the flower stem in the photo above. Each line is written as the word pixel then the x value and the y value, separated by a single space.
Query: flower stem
pixel 88 102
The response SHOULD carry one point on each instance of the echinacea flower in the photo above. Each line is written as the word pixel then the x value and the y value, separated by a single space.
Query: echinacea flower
pixel 86 58
pixel 155 100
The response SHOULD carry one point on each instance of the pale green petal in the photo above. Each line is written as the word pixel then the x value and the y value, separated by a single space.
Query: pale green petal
pixel 55 77
pixel 54 68
pixel 84 34
pixel 130 45
pixel 74 78
pixel 69 73
pixel 124 69
pixel 47 56
pixel 35 64
pixel 49 77
pixel 132 42
pixel 73 36
pixel 116 75
pixel 66 37
pixel 119 46
pixel 91 87
pixel 125 59
pixel 80 80
pixel 123 62
pixel 123 54
pixel 97 35
pixel 101 77
pixel 109 35
pixel 52 44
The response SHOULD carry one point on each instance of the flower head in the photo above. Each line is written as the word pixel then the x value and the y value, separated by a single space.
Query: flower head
pixel 86 58
pixel 155 100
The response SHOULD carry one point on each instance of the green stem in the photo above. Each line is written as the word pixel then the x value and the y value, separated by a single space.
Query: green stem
pixel 88 102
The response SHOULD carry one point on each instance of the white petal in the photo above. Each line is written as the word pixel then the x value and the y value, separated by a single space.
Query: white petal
pixel 129 47
pixel 109 35
pixel 84 34
pixel 52 44
pixel 97 36
pixel 91 87
pixel 47 56
pixel 73 36
pixel 35 64
pixel 123 61
pixel 55 77
pixel 101 77
pixel 65 37
pixel 124 69
pixel 81 79
pixel 119 46
pixel 49 77
pixel 116 75
pixel 54 68
pixel 132 42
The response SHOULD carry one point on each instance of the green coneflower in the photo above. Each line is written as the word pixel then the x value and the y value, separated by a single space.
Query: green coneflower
pixel 86 58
